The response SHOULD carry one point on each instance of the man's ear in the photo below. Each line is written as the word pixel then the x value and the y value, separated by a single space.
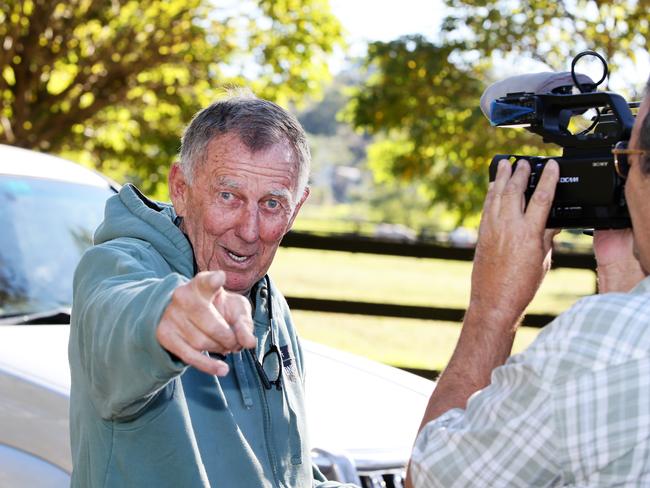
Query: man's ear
pixel 305 194
pixel 178 189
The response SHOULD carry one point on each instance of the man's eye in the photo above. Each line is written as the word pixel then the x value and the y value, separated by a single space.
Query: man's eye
pixel 272 204
pixel 226 195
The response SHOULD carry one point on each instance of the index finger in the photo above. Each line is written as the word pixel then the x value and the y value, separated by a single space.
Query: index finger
pixel 208 283
pixel 540 203
pixel 513 200
pixel 495 188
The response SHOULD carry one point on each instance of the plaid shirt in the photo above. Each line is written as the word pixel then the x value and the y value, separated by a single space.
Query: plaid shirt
pixel 571 410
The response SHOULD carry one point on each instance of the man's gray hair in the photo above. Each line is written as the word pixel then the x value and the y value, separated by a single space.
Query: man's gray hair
pixel 260 124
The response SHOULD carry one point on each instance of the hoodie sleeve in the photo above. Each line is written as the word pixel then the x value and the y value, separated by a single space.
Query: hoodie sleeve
pixel 119 297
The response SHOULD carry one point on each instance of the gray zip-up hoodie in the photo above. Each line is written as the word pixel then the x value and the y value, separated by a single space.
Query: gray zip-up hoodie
pixel 139 417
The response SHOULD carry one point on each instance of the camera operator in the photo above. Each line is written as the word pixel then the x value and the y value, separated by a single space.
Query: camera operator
pixel 574 408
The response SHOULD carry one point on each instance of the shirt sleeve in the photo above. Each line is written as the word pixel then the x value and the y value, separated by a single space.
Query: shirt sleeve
pixel 505 437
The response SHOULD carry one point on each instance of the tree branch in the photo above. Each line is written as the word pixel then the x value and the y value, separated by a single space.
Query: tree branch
pixel 13 32
pixel 23 96
pixel 123 70
pixel 126 41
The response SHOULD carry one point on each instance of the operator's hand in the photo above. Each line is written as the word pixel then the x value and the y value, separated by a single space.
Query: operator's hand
pixel 512 256
pixel 513 249
pixel 617 267
pixel 203 316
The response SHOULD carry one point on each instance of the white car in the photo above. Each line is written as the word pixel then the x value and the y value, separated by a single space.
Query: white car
pixel 50 207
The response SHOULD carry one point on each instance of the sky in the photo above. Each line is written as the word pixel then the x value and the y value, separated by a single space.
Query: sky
pixel 384 20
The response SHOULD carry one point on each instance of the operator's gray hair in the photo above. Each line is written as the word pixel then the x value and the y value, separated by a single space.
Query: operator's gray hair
pixel 259 124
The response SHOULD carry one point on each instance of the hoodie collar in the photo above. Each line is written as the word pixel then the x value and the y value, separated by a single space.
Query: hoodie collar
pixel 130 214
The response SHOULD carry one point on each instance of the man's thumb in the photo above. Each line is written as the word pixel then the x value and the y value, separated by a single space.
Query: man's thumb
pixel 209 282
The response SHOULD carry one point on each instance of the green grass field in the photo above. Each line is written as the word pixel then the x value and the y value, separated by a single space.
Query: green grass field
pixel 400 280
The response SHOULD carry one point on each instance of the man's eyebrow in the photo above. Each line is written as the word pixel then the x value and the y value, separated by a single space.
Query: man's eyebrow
pixel 281 193
pixel 229 183
pixel 225 182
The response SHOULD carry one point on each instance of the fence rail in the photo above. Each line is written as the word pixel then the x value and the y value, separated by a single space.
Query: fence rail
pixel 397 310
pixel 371 245
pixel 363 244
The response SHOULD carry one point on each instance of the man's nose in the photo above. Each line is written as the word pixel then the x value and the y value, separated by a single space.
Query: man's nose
pixel 247 227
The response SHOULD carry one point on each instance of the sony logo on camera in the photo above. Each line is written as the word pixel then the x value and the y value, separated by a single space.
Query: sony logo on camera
pixel 591 193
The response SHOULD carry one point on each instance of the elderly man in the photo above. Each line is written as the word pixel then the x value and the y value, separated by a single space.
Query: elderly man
pixel 574 408
pixel 186 367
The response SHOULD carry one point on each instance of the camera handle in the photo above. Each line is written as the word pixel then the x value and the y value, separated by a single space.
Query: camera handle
pixel 579 85
pixel 592 87
pixel 553 126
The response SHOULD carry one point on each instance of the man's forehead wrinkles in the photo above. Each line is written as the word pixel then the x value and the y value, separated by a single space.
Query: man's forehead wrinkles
pixel 230 182
pixel 285 168
pixel 234 176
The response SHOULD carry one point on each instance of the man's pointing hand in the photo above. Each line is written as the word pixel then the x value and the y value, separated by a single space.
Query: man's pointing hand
pixel 202 316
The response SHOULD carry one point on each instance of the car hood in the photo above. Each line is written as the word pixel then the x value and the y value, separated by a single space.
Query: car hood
pixel 356 407
pixel 369 410
pixel 37 353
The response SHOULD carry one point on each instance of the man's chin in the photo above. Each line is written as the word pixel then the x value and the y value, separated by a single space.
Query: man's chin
pixel 239 286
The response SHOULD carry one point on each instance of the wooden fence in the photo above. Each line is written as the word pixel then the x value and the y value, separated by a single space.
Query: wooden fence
pixel 363 244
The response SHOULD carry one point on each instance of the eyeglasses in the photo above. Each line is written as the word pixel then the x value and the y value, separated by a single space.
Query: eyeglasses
pixel 272 359
pixel 270 362
pixel 621 162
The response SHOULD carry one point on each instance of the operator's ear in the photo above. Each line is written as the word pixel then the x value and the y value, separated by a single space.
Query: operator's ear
pixel 305 194
pixel 178 189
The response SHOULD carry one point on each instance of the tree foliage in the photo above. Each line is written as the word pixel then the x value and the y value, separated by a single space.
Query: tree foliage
pixel 430 129
pixel 421 98
pixel 114 82
pixel 551 32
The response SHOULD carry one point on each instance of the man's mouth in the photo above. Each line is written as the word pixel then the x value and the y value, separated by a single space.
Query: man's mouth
pixel 238 258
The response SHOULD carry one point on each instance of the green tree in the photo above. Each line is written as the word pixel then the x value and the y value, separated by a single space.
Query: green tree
pixel 552 32
pixel 421 98
pixel 113 83
pixel 423 111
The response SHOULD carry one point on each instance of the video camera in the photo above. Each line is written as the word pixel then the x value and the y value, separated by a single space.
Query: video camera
pixel 590 193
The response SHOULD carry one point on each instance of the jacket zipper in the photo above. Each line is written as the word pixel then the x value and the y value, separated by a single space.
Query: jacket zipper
pixel 267 426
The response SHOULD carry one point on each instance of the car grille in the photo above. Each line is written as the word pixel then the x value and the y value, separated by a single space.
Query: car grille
pixel 382 478
pixel 368 473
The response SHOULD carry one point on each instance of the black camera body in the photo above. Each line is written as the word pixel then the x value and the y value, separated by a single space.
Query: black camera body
pixel 590 193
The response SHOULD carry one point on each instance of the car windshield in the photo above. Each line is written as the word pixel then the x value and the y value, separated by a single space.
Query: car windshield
pixel 45 227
